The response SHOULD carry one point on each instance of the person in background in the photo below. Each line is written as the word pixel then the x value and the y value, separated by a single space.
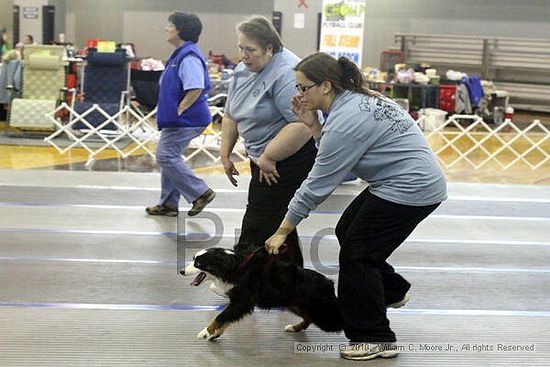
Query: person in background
pixel 375 139
pixel 13 54
pixel 182 115
pixel 5 44
pixel 17 52
pixel 28 40
pixel 281 149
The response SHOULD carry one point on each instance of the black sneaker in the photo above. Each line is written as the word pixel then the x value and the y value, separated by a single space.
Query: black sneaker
pixel 165 210
pixel 201 202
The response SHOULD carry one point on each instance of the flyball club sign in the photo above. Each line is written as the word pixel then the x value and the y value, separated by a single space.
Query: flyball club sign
pixel 342 28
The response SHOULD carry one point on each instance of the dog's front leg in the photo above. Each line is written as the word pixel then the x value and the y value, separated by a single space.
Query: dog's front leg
pixel 233 312
pixel 213 331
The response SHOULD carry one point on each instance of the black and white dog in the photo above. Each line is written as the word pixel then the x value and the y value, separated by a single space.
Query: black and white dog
pixel 259 279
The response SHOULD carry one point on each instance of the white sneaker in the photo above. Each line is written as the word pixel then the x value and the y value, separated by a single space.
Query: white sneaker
pixel 366 351
pixel 400 303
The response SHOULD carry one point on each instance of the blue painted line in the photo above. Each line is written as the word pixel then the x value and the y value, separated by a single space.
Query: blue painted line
pixel 86 231
pixel 332 265
pixel 513 313
pixel 117 307
pixel 178 307
pixel 472 270
pixel 84 260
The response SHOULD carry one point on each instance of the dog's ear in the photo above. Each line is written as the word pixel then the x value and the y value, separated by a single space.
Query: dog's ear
pixel 229 261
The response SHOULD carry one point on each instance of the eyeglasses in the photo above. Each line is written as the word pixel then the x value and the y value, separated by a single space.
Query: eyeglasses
pixel 304 88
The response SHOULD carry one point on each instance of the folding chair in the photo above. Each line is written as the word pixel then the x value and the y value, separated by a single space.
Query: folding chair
pixel 43 77
pixel 105 90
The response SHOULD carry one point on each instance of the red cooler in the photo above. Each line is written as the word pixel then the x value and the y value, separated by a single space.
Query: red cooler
pixel 447 94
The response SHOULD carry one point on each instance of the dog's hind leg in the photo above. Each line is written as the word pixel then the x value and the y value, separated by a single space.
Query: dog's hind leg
pixel 299 326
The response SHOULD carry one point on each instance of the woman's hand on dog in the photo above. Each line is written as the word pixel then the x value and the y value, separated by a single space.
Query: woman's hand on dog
pixel 278 238
pixel 274 242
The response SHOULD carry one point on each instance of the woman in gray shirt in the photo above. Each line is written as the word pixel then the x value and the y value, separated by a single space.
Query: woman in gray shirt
pixel 281 150
pixel 375 139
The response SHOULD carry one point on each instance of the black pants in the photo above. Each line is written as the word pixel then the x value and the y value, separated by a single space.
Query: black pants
pixel 267 205
pixel 369 230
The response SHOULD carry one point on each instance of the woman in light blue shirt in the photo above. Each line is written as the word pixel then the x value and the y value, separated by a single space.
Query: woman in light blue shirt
pixel 281 150
pixel 375 139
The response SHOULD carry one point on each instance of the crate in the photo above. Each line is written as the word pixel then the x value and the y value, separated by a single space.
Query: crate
pixel 447 93
pixel 419 95
pixel 388 59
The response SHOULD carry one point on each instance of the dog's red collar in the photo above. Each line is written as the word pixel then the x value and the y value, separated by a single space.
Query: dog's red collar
pixel 282 250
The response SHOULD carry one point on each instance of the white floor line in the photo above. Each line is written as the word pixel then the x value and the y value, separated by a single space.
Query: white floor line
pixel 242 210
pixel 234 191
pixel 204 236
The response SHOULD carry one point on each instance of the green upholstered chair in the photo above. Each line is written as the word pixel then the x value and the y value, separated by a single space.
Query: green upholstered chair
pixel 43 80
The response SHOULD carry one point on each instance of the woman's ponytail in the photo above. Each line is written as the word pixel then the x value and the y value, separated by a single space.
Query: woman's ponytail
pixel 352 77
pixel 342 73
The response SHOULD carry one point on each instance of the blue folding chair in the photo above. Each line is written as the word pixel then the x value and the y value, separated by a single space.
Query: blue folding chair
pixel 106 84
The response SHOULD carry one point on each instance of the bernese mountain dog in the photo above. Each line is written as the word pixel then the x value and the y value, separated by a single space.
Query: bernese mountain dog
pixel 259 279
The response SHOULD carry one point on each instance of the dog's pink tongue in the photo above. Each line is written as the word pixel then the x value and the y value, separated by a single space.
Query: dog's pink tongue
pixel 198 279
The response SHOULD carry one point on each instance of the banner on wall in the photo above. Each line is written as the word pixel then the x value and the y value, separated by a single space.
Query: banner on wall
pixel 342 27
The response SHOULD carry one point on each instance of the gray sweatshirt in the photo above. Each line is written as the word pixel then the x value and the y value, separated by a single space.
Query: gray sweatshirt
pixel 378 141
pixel 259 102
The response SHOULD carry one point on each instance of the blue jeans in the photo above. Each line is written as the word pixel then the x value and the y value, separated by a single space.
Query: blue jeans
pixel 177 178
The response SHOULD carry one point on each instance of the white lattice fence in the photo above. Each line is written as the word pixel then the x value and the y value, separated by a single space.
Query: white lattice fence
pixel 462 138
pixel 138 130
pixel 467 138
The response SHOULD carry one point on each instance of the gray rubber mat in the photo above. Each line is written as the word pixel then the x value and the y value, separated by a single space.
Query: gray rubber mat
pixel 63 197
pixel 65 337
pixel 87 279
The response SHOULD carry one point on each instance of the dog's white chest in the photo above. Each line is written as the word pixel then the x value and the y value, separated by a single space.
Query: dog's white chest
pixel 220 287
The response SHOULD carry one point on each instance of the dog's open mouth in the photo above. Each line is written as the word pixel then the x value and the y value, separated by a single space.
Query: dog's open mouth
pixel 199 279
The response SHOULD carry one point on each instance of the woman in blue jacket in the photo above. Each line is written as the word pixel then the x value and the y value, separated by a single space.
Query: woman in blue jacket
pixel 375 139
pixel 182 115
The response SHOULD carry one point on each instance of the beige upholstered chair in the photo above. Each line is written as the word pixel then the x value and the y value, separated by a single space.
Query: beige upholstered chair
pixel 43 81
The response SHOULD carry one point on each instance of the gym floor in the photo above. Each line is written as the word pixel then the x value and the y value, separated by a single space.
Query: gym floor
pixel 87 278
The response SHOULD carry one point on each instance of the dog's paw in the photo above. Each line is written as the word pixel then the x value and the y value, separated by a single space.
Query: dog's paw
pixel 297 327
pixel 290 328
pixel 206 335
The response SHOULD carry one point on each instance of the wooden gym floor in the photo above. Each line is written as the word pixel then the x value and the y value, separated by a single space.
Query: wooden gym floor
pixel 45 157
